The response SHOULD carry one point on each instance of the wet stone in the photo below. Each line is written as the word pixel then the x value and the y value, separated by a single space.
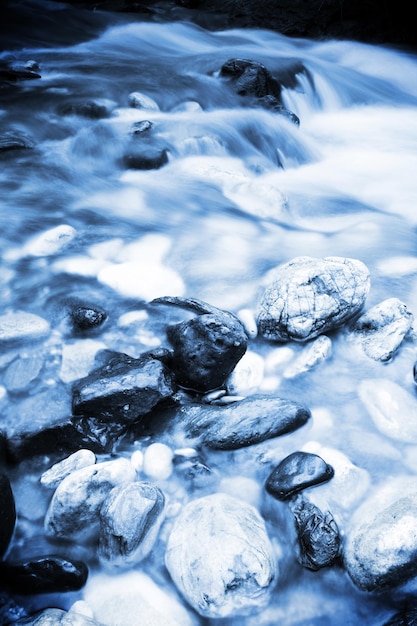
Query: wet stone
pixel 12 140
pixel 316 352
pixel 381 330
pixel 8 513
pixel 148 158
pixel 74 509
pixel 381 538
pixel 60 470
pixel 403 618
pixel 130 519
pixel 44 574
pixel 319 540
pixel 207 347
pixel 296 472
pixel 22 372
pixel 221 573
pixel 250 78
pixel 144 126
pixel 308 297
pixel 57 617
pixel 85 318
pixel 125 388
pixel 91 109
pixel 21 326
pixel 243 423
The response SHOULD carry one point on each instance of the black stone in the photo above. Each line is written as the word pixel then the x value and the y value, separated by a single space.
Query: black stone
pixel 319 540
pixel 271 103
pixel 403 618
pixel 296 472
pixel 44 574
pixel 85 318
pixel 8 513
pixel 90 109
pixel 12 140
pixel 123 389
pixel 206 348
pixel 242 423
pixel 250 78
pixel 139 128
pixel 147 159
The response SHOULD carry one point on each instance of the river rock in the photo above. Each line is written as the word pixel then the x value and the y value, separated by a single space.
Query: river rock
pixel 380 546
pixel 316 352
pixel 86 317
pixel 14 140
pixel 22 326
pixel 130 519
pixel 207 347
pixel 296 472
pixel 124 388
pixel 319 540
pixel 56 617
pixel 243 423
pixel 138 100
pixel 91 109
pixel 8 513
pixel 146 158
pixel 247 375
pixel 45 574
pixel 220 557
pixel 309 296
pixel 250 78
pixel 403 618
pixel 60 470
pixel 381 330
pixel 73 512
pixel 392 408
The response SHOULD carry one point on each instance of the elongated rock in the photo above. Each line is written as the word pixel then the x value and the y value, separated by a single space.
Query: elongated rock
pixel 309 296
pixel 74 509
pixel 220 557
pixel 243 423
pixel 296 472
pixel 57 617
pixel 44 574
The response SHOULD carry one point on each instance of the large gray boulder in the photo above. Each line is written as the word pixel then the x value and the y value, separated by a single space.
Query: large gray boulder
pixel 220 557
pixel 380 550
pixel 309 296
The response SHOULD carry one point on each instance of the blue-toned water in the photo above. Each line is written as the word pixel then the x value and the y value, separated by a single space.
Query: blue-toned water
pixel 243 190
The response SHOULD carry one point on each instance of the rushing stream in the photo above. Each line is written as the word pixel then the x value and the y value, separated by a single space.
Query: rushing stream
pixel 240 189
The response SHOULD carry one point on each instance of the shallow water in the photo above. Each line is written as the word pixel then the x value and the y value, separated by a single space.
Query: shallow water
pixel 244 190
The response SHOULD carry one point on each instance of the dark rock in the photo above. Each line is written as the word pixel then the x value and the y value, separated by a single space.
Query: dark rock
pixel 125 388
pixel 64 438
pixel 56 617
pixel 10 73
pixel 85 318
pixel 92 110
pixel 8 513
pixel 207 347
pixel 45 574
pixel 141 127
pixel 403 618
pixel 250 78
pixel 271 103
pixel 319 539
pixel 148 158
pixel 242 423
pixel 296 472
pixel 10 610
pixel 13 140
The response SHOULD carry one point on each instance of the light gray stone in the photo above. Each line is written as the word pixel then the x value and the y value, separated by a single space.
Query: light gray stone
pixel 381 330
pixel 60 470
pixel 130 519
pixel 21 326
pixel 380 550
pixel 220 557
pixel 73 512
pixel 57 617
pixel 309 296
pixel 316 352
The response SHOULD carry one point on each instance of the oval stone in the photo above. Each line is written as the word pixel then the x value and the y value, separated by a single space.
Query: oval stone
pixel 380 550
pixel 220 557
pixel 308 297
pixel 296 472
pixel 44 574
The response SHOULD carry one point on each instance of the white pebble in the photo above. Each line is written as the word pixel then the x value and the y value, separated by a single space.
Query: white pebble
pixel 247 375
pixel 137 460
pixel 247 317
pixel 49 242
pixel 139 100
pixel 157 461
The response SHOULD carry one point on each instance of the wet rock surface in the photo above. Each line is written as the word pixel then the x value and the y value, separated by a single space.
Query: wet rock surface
pixel 44 574
pixel 308 296
pixel 296 472
pixel 220 557
pixel 8 516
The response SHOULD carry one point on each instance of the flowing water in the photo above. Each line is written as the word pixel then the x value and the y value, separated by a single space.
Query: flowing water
pixel 244 189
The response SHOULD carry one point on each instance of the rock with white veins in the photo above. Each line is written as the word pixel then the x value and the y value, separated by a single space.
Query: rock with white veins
pixel 392 408
pixel 130 519
pixel 309 296
pixel 380 548
pixel 73 512
pixel 381 330
pixel 220 557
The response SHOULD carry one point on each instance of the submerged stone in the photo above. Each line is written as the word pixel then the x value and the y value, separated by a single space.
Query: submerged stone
pixel 250 78
pixel 380 549
pixel 21 326
pixel 60 470
pixel 85 317
pixel 308 297
pixel 220 557
pixel 381 330
pixel 206 348
pixel 243 423
pixel 57 617
pixel 319 540
pixel 296 472
pixel 130 519
pixel 45 574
